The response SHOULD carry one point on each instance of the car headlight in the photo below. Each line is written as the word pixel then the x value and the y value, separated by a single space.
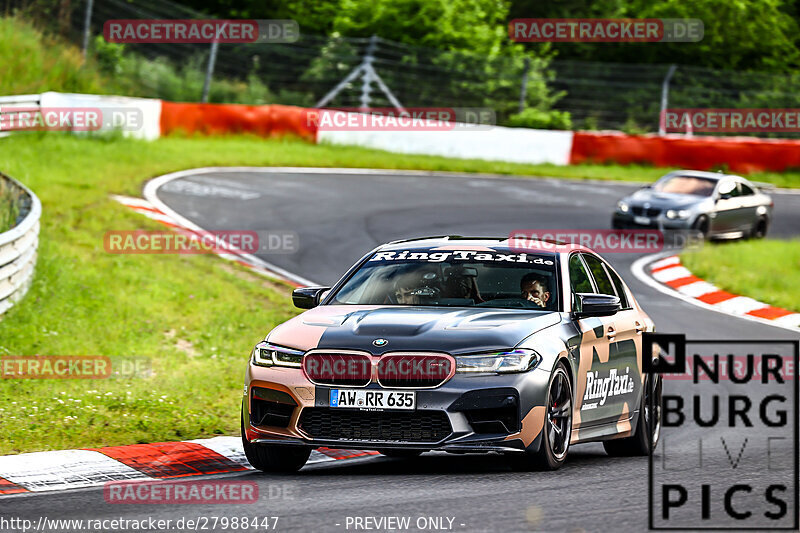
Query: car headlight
pixel 622 207
pixel 519 360
pixel 266 354
pixel 681 213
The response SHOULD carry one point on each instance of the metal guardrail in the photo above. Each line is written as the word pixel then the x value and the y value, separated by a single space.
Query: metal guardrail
pixel 11 106
pixel 18 249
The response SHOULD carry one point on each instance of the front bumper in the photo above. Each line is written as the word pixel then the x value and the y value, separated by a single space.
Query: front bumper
pixel 630 221
pixel 468 413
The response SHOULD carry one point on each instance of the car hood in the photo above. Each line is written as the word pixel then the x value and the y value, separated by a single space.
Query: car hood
pixel 665 200
pixel 451 330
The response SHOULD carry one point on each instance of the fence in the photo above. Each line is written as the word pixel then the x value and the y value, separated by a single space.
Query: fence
pixel 616 96
pixel 18 245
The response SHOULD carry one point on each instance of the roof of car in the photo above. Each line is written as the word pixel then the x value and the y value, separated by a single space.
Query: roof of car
pixel 702 174
pixel 501 244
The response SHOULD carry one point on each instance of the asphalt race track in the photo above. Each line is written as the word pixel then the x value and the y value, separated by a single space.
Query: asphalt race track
pixel 338 218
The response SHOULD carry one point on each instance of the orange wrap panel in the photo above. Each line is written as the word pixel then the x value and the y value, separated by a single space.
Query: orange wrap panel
pixel 740 154
pixel 222 119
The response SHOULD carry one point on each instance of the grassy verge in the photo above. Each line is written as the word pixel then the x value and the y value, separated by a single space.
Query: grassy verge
pixel 9 207
pixel 767 270
pixel 194 318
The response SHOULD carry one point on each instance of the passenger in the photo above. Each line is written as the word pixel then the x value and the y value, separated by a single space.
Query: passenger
pixel 406 289
pixel 536 289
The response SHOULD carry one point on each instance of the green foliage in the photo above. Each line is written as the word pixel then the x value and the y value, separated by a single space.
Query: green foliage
pixel 9 205
pixel 33 63
pixel 541 120
pixel 136 75
pixel 466 25
pixel 739 35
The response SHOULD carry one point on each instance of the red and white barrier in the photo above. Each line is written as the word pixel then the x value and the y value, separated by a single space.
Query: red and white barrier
pixel 516 145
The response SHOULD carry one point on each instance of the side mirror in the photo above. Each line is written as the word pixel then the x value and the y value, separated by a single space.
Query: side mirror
pixel 590 304
pixel 308 297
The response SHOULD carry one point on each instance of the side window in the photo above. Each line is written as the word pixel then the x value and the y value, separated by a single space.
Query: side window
pixel 746 190
pixel 578 277
pixel 730 187
pixel 623 298
pixel 599 274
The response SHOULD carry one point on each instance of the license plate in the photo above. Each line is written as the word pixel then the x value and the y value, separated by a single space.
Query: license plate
pixel 373 399
pixel 642 220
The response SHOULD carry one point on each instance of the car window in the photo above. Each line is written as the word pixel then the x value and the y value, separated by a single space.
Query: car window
pixel 746 189
pixel 729 188
pixel 686 185
pixel 453 278
pixel 578 277
pixel 620 287
pixel 601 279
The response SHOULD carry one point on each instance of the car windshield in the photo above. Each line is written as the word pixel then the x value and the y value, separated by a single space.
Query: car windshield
pixel 454 278
pixel 686 185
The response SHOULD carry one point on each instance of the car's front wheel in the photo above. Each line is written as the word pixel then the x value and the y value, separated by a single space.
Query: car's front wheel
pixel 274 458
pixel 703 225
pixel 557 427
pixel 648 429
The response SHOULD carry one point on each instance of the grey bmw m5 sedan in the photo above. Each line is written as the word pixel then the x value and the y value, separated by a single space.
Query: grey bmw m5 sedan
pixel 717 205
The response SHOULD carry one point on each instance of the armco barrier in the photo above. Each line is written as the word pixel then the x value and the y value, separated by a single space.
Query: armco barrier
pixel 738 154
pixel 521 145
pixel 18 249
pixel 221 119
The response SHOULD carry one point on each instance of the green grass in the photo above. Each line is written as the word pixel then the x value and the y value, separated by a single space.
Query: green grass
pixel 33 63
pixel 194 317
pixel 9 206
pixel 767 270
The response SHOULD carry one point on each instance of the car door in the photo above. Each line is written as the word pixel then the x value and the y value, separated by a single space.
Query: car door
pixel 749 203
pixel 725 217
pixel 612 381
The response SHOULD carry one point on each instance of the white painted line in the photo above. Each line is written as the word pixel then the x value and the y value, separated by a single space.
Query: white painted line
pixel 157 216
pixel 698 288
pixel 670 274
pixel 131 201
pixel 150 194
pixel 58 470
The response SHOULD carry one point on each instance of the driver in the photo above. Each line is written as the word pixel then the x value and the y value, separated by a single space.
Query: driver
pixel 535 288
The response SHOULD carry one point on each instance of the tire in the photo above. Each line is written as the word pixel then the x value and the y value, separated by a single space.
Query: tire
pixel 645 439
pixel 703 225
pixel 557 427
pixel 760 229
pixel 401 454
pixel 274 458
